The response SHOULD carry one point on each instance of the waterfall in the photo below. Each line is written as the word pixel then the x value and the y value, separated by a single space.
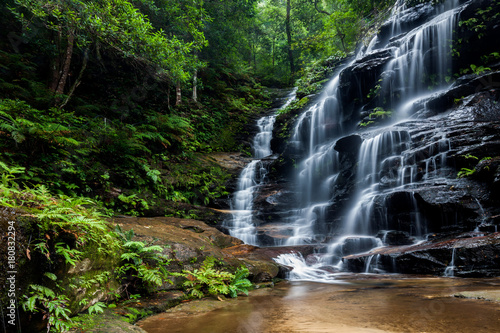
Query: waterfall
pixel 241 224
pixel 388 165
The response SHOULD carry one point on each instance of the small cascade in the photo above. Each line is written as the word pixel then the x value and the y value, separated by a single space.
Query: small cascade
pixel 303 227
pixel 262 141
pixel 450 270
pixel 317 125
pixel 241 225
pixel 421 62
pixel 372 264
pixel 302 271
pixel 321 122
pixel 483 216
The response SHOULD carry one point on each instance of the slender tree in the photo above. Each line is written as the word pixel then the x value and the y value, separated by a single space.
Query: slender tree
pixel 289 36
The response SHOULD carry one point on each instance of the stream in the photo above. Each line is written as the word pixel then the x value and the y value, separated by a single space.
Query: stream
pixel 358 303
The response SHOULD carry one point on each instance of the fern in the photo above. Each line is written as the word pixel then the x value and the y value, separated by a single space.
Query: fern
pixel 97 308
pixel 144 263
pixel 54 307
pixel 209 281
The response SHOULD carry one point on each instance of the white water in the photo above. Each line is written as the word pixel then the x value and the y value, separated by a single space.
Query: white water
pixel 450 270
pixel 241 224
pixel 386 162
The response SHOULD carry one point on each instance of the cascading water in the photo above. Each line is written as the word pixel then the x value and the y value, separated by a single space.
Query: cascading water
pixel 450 269
pixel 252 176
pixel 262 141
pixel 387 166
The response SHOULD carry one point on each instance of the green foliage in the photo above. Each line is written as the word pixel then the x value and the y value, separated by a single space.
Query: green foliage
pixel 375 91
pixel 379 112
pixel 91 159
pixel 479 21
pixel 470 157
pixel 118 25
pixel 375 116
pixel 209 281
pixel 54 307
pixel 144 263
pixel 97 308
pixel 58 219
pixel 467 172
pixel 295 105
pixel 343 24
pixel 475 69
pixel 366 123
pixel 88 282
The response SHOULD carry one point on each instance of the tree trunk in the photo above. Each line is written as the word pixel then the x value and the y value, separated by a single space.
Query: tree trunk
pixel 342 37
pixel 56 64
pixel 289 36
pixel 254 58
pixel 178 94
pixel 168 97
pixel 195 82
pixel 274 41
pixel 78 79
pixel 66 66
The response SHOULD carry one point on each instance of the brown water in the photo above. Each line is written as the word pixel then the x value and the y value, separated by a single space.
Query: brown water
pixel 363 304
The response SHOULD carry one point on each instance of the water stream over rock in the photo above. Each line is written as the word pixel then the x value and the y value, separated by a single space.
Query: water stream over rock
pixel 241 224
pixel 380 149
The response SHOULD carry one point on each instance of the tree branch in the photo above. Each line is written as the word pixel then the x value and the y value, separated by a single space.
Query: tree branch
pixel 319 10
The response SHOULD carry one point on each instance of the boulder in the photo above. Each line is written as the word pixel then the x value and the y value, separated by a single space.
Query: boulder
pixel 190 242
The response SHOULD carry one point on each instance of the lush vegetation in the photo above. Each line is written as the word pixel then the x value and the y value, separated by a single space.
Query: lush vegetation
pixel 59 234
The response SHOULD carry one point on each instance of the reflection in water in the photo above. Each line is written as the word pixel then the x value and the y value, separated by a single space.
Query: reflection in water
pixel 364 304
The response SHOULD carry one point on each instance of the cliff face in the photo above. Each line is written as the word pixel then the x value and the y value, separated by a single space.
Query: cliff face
pixel 418 155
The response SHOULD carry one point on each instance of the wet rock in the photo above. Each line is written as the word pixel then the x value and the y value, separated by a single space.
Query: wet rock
pixel 349 144
pixel 356 81
pixel 488 172
pixel 471 90
pixel 395 237
pixel 410 18
pixel 444 208
pixel 357 244
pixel 474 257
pixel 488 295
